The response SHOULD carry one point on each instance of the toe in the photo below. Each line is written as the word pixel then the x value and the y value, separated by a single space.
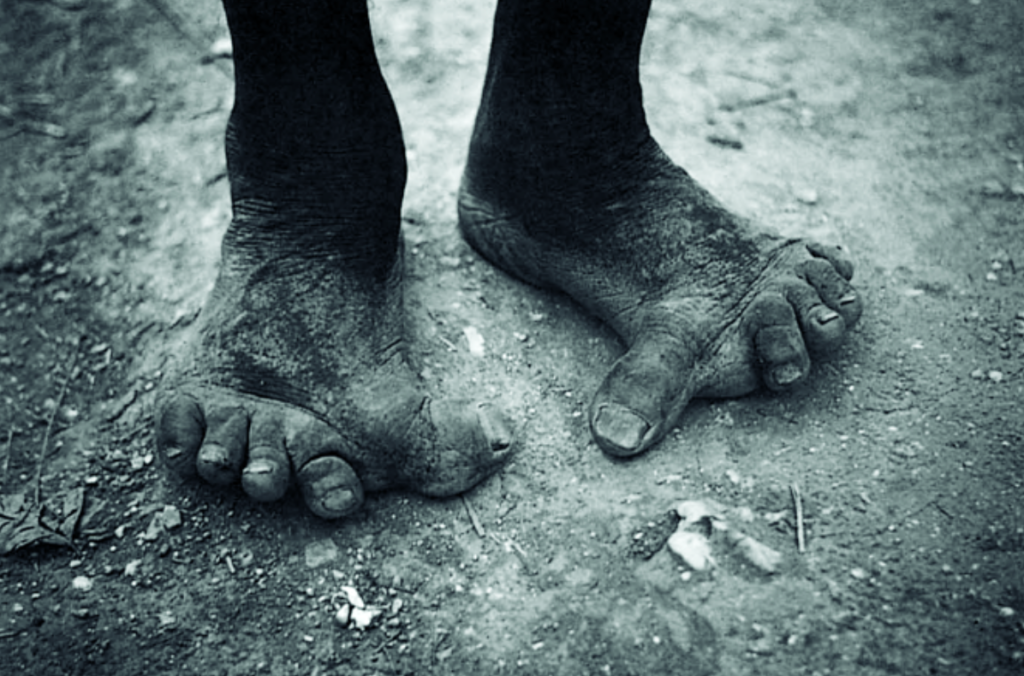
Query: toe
pixel 179 433
pixel 267 472
pixel 823 328
pixel 330 487
pixel 833 287
pixel 223 450
pixel 778 342
pixel 464 443
pixel 834 255
pixel 643 395
pixel 329 484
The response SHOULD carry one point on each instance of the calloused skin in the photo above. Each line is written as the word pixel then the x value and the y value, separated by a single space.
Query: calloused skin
pixel 296 371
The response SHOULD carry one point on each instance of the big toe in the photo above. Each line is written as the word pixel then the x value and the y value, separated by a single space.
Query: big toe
pixel 643 395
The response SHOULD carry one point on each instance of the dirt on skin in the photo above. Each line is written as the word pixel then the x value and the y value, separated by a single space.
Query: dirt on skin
pixel 894 129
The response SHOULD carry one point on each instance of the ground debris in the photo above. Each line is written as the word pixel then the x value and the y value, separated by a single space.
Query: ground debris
pixel 27 523
pixel 648 540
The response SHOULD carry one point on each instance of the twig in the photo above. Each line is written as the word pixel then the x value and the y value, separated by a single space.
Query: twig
pixel 163 9
pixel 477 526
pixel 770 97
pixel 49 425
pixel 801 543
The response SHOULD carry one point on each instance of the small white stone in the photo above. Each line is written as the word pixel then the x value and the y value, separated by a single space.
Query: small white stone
pixel 693 548
pixel 995 376
pixel 362 618
pixel 475 340
pixel 353 597
pixel 82 583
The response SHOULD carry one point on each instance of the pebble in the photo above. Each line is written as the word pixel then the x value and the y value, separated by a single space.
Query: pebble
pixel 693 548
pixel 82 583
pixel 475 340
pixel 807 196
pixel 320 552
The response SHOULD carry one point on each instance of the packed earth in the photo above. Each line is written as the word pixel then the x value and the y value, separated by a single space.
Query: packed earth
pixel 869 522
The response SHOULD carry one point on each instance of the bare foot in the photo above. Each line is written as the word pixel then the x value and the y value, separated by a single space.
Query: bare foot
pixel 297 372
pixel 706 306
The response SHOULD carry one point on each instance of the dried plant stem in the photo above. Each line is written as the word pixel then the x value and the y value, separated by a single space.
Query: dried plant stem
pixel 801 543
pixel 49 425
pixel 477 526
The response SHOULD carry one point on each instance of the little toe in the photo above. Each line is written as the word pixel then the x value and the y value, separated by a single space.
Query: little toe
pixel 642 396
pixel 778 342
pixel 222 453
pixel 180 426
pixel 267 472
pixel 834 255
pixel 465 442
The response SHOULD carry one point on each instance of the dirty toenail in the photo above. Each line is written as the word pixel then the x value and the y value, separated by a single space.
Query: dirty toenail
pixel 621 427
pixel 260 466
pixel 847 299
pixel 827 316
pixel 335 500
pixel 787 374
pixel 216 465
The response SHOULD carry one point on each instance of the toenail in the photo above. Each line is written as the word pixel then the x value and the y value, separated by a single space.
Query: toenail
pixel 828 316
pixel 847 299
pixel 621 427
pixel 335 499
pixel 215 465
pixel 495 431
pixel 787 374
pixel 174 452
pixel 260 466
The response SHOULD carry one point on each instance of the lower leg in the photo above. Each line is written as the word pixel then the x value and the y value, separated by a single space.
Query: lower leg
pixel 296 369
pixel 565 188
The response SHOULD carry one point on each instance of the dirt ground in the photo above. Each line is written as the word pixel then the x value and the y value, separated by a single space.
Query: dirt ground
pixel 893 128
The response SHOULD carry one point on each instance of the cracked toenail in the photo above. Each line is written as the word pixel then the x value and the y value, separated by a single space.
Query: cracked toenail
pixel 828 316
pixel 787 374
pixel 847 299
pixel 621 427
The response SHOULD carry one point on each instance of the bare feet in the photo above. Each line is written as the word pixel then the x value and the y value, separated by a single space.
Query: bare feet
pixel 706 306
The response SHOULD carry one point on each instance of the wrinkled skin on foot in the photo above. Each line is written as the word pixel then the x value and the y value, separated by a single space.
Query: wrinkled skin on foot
pixel 295 373
pixel 705 306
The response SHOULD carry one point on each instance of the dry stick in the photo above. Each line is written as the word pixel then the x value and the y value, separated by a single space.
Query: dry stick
pixel 800 542
pixel 477 526
pixel 49 425
pixel 7 457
